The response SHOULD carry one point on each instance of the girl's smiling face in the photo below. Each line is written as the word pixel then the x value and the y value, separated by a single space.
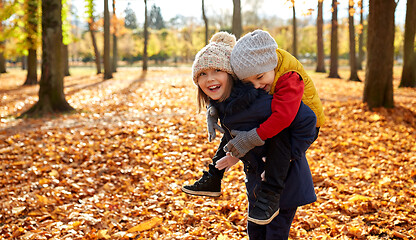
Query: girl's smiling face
pixel 213 82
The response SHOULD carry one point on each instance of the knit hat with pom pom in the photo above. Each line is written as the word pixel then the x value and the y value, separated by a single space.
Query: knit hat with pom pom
pixel 215 55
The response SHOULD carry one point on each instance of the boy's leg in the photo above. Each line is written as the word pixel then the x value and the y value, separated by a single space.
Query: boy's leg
pixel 278 156
pixel 210 182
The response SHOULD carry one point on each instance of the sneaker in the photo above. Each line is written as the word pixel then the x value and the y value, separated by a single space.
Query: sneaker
pixel 208 185
pixel 265 209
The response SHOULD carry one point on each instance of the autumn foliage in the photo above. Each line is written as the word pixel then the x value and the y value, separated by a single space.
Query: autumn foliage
pixel 113 169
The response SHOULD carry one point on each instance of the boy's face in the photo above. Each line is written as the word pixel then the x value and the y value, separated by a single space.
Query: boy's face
pixel 262 81
pixel 213 83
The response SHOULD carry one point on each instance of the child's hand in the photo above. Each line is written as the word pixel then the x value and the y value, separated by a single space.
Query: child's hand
pixel 212 123
pixel 226 162
pixel 243 142
pixel 263 176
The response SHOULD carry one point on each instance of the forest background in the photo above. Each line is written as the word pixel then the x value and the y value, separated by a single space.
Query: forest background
pixel 177 39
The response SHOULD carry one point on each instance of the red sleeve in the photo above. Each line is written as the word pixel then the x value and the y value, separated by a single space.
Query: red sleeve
pixel 285 105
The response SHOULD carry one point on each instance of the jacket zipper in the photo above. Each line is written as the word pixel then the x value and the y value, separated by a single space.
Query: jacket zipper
pixel 248 165
pixel 229 131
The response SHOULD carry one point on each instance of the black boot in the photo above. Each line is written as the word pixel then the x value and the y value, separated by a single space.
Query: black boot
pixel 266 207
pixel 210 182
pixel 208 185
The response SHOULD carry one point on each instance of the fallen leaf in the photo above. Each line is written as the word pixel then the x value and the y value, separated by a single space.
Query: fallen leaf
pixel 146 225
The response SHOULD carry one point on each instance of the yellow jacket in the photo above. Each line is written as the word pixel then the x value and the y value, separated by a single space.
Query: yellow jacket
pixel 288 63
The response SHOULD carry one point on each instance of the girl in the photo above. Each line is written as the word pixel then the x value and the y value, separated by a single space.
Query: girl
pixel 241 107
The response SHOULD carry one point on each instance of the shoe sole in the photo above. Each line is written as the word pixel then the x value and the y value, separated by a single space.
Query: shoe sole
pixel 263 222
pixel 201 193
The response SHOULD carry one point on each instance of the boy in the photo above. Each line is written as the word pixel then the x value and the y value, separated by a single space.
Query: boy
pixel 256 59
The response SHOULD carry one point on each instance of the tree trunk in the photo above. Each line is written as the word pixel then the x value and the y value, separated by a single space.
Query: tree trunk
pixel 65 59
pixel 378 88
pixel 96 51
pixel 115 54
pixel 51 90
pixel 361 38
pixel 2 60
pixel 333 69
pixel 353 58
pixel 107 64
pixel 295 42
pixel 409 58
pixel 31 28
pixel 205 21
pixel 320 67
pixel 236 27
pixel 32 75
pixel 146 36
pixel 24 62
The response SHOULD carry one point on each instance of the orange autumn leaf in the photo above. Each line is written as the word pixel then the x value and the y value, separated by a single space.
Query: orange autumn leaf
pixel 123 157
pixel 42 199
pixel 357 198
pixel 103 234
pixel 146 225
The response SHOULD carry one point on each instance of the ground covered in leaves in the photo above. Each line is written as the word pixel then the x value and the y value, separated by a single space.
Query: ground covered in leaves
pixel 113 169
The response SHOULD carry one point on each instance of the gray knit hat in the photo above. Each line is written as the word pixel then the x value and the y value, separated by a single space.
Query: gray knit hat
pixel 214 55
pixel 253 54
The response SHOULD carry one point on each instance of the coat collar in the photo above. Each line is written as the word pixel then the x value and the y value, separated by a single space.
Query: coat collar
pixel 241 97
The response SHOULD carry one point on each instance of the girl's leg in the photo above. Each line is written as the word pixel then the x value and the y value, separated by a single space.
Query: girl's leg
pixel 278 229
pixel 253 183
pixel 255 231
pixel 210 182
pixel 280 226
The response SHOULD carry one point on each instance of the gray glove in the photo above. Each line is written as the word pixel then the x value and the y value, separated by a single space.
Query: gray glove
pixel 243 142
pixel 212 123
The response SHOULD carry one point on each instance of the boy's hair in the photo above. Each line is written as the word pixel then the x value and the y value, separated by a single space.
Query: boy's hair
pixel 203 99
pixel 253 54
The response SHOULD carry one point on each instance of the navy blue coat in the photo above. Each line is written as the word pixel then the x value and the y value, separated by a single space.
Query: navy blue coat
pixel 247 108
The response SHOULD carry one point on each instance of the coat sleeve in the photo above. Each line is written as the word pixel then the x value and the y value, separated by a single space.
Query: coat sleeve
pixel 303 131
pixel 285 105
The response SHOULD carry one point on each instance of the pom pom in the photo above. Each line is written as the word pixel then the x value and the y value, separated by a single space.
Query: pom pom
pixel 223 37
